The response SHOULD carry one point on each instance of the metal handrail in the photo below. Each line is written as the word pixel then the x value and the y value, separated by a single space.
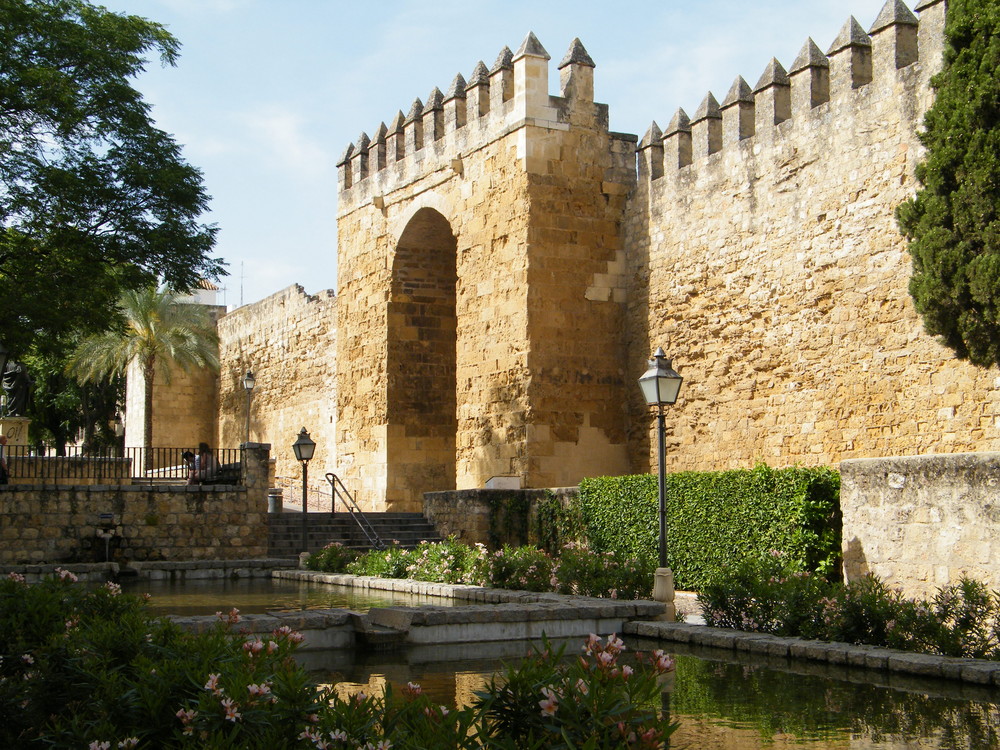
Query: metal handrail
pixel 340 491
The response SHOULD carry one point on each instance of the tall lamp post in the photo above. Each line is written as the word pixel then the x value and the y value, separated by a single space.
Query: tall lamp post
pixel 4 354
pixel 304 447
pixel 660 385
pixel 249 381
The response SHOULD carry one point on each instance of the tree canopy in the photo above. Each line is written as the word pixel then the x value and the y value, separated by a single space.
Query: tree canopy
pixel 160 331
pixel 953 223
pixel 94 198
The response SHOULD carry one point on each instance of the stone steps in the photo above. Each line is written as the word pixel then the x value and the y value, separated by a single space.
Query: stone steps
pixel 285 531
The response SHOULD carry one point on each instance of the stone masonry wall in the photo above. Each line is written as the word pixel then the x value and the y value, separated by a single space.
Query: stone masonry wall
pixel 921 522
pixel 770 266
pixel 61 523
pixel 288 340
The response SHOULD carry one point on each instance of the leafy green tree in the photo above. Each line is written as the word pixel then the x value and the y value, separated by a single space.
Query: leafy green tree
pixel 953 223
pixel 94 198
pixel 158 332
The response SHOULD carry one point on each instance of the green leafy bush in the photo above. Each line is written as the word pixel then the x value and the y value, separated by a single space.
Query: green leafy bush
pixel 716 519
pixel 333 558
pixel 86 668
pixel 768 595
pixel 520 568
pixel 388 563
pixel 611 574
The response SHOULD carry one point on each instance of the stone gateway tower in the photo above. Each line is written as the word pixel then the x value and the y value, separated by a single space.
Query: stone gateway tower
pixel 481 287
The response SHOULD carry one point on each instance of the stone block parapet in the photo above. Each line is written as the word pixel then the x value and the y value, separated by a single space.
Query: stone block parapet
pixel 921 522
pixel 815 87
pixel 437 135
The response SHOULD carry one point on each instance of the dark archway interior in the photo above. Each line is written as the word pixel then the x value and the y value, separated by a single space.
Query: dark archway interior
pixel 421 364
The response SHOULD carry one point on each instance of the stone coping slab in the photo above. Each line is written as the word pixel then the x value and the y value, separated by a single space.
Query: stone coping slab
pixel 110 571
pixel 975 671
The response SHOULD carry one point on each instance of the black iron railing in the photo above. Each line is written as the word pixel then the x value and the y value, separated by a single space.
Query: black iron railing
pixel 340 491
pixel 123 466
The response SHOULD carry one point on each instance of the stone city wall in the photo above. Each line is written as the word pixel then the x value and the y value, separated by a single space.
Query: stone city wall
pixel 920 522
pixel 767 262
pixel 288 341
pixel 61 523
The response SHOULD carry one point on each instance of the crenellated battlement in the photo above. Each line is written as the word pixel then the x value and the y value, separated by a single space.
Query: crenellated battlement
pixel 885 55
pixel 435 135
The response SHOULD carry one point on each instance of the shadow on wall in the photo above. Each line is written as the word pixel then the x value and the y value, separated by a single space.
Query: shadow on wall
pixel 855 562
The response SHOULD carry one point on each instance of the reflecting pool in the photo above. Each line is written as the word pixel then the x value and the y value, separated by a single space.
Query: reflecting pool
pixel 724 700
pixel 259 595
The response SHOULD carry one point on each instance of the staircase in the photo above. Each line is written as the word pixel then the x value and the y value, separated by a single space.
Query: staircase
pixel 284 537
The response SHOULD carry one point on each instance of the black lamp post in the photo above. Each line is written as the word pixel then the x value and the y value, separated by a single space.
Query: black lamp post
pixel 660 385
pixel 249 381
pixel 4 355
pixel 304 447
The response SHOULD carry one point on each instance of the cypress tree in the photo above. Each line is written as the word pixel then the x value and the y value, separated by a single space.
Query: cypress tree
pixel 953 222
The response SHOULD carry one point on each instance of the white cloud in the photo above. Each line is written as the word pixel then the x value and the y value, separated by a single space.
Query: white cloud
pixel 282 139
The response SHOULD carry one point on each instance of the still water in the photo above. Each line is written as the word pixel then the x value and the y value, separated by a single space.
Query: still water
pixel 259 595
pixel 723 700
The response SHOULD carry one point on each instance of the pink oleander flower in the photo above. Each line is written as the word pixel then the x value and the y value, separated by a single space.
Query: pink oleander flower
pixel 113 588
pixel 128 743
pixel 232 714
pixel 412 689
pixel 213 684
pixel 16 577
pixel 338 735
pixel 271 647
pixel 581 686
pixel 95 745
pixel 66 575
pixel 627 672
pixel 254 647
pixel 27 658
pixel 550 705
pixel 283 630
pixel 259 690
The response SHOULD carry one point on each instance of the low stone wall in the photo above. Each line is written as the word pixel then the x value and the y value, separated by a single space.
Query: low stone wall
pixel 65 523
pixel 921 522
pixel 474 516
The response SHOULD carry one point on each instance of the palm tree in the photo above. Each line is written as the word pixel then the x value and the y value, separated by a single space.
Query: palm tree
pixel 159 331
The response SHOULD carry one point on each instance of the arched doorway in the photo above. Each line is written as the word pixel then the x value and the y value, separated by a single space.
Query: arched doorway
pixel 421 363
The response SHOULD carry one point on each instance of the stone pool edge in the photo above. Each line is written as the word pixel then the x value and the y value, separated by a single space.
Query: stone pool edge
pixel 973 671
pixel 514 615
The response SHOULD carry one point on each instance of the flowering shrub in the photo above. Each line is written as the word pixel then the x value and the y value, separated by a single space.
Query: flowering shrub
pixel 86 668
pixel 593 701
pixel 333 558
pixel 612 574
pixel 387 563
pixel 576 570
pixel 771 596
pixel 520 568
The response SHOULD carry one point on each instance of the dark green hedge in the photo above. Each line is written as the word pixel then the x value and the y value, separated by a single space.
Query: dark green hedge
pixel 715 519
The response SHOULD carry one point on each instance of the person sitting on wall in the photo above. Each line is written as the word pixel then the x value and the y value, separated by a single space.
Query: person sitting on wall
pixel 205 466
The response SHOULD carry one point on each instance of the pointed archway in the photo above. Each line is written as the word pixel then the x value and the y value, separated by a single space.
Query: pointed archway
pixel 421 363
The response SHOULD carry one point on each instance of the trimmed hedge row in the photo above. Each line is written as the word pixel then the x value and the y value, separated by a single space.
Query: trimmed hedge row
pixel 717 519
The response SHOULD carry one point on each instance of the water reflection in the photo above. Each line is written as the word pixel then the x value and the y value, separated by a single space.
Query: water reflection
pixel 259 595
pixel 724 700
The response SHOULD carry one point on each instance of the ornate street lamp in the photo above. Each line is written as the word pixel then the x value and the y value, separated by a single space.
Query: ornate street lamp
pixel 660 385
pixel 249 381
pixel 304 447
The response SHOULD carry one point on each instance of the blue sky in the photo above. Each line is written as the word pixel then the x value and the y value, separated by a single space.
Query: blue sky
pixel 267 94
